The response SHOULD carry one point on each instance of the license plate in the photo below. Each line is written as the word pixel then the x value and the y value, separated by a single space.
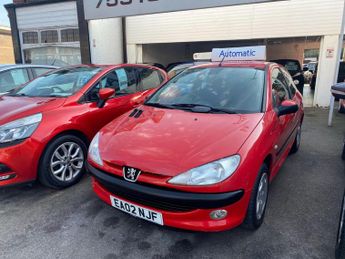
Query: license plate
pixel 137 211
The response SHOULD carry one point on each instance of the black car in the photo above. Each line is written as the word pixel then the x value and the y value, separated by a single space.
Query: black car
pixel 295 70
pixel 341 75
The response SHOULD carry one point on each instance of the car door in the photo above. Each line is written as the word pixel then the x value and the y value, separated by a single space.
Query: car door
pixel 128 89
pixel 283 125
pixel 13 78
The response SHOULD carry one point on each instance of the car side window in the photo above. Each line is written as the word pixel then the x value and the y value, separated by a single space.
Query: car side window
pixel 280 92
pixel 128 81
pixel 108 81
pixel 290 83
pixel 150 78
pixel 123 80
pixel 41 70
pixel 13 78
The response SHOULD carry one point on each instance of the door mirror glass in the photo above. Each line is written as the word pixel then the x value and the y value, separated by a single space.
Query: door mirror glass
pixel 287 107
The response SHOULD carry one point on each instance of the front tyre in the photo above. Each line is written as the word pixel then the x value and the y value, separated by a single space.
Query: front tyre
pixel 63 162
pixel 258 201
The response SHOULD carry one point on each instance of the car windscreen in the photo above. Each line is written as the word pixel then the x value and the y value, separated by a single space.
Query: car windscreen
pixel 59 83
pixel 213 90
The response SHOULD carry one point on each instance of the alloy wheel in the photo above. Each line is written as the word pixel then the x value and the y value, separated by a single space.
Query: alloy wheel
pixel 261 197
pixel 67 161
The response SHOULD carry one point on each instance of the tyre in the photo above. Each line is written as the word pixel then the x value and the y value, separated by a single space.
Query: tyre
pixel 297 142
pixel 343 155
pixel 258 201
pixel 63 162
pixel 342 109
pixel 340 247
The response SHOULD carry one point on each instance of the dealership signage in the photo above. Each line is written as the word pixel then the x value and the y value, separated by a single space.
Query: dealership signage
pixel 244 53
pixel 100 9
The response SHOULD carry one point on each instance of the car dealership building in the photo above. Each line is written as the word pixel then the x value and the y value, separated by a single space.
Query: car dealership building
pixel 58 30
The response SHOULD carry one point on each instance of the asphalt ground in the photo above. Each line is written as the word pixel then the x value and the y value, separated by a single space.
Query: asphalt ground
pixel 301 220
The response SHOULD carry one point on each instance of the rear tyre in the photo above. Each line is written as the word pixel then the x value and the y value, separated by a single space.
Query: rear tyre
pixel 297 142
pixel 340 247
pixel 343 155
pixel 258 201
pixel 342 109
pixel 63 162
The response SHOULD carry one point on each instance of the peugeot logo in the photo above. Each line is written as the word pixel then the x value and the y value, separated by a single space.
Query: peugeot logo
pixel 131 174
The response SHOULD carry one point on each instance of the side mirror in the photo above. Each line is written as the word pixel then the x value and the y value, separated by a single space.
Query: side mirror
pixel 104 95
pixel 296 82
pixel 287 107
pixel 139 100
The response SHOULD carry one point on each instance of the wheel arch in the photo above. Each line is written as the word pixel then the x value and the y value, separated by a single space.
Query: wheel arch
pixel 76 133
pixel 268 162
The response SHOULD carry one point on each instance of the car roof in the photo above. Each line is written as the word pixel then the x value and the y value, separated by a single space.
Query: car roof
pixel 250 64
pixel 10 66
pixel 284 60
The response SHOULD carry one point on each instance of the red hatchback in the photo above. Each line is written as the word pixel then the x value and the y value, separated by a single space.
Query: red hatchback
pixel 200 153
pixel 46 126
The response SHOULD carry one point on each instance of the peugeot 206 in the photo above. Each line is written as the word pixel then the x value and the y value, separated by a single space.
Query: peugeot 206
pixel 200 153
pixel 46 126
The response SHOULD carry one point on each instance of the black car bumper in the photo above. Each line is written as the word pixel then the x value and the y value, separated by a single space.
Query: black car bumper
pixel 165 199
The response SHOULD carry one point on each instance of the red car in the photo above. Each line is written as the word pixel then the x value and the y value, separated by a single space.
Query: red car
pixel 46 126
pixel 201 151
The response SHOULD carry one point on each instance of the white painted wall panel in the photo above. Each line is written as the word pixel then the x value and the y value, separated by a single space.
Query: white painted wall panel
pixel 49 15
pixel 106 41
pixel 292 18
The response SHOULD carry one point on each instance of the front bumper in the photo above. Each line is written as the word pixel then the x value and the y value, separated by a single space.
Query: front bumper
pixel 184 210
pixel 18 162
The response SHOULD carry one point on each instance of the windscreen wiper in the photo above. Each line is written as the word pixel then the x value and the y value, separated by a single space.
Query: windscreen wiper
pixel 9 94
pixel 160 105
pixel 203 108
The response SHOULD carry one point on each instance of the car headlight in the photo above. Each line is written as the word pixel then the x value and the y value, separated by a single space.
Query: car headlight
pixel 212 173
pixel 19 129
pixel 94 151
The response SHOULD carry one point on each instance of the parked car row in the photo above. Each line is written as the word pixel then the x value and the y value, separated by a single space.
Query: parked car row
pixel 47 124
pixel 165 161
pixel 196 152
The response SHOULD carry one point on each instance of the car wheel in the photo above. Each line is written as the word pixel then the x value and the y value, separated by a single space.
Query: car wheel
pixel 258 201
pixel 63 162
pixel 297 142
pixel 340 247
pixel 342 109
pixel 343 156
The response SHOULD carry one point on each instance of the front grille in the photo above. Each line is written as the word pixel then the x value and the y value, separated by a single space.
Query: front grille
pixel 4 169
pixel 147 201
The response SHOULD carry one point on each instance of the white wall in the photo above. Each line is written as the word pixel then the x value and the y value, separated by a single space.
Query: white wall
pixel 326 70
pixel 106 41
pixel 48 15
pixel 291 18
